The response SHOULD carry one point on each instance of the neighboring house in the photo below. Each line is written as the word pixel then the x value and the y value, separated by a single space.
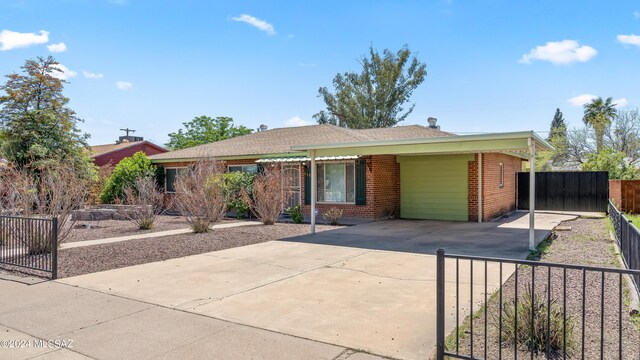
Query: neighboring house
pixel 414 172
pixel 111 154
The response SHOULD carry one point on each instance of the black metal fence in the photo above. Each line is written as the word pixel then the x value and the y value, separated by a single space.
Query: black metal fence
pixel 503 308
pixel 29 243
pixel 628 237
pixel 566 190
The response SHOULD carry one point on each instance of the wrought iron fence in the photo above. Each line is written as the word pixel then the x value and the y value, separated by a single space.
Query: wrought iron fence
pixel 503 308
pixel 628 237
pixel 29 243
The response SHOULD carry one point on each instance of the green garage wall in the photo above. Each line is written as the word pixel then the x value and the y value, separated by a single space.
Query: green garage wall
pixel 434 187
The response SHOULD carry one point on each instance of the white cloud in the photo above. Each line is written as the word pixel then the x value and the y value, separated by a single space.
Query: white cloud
pixel 90 75
pixel 307 65
pixel 64 74
pixel 622 102
pixel 581 99
pixel 630 39
pixel 255 22
pixel 297 121
pixel 124 85
pixel 560 53
pixel 14 40
pixel 57 48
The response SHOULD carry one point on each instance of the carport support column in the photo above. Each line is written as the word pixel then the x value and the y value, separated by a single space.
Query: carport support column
pixel 314 189
pixel 532 194
pixel 479 187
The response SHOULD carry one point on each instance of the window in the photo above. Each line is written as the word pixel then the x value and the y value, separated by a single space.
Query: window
pixel 251 168
pixel 501 174
pixel 336 182
pixel 170 175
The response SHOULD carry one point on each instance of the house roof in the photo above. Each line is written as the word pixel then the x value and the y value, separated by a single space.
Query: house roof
pixel 98 150
pixel 280 141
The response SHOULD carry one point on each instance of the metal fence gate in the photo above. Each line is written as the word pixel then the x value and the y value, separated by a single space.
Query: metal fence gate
pixel 566 191
pixel 29 243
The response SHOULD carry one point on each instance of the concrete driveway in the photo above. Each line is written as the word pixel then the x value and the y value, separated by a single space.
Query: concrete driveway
pixel 342 287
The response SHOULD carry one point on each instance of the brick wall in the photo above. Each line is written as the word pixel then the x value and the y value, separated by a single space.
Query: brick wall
pixel 382 192
pixel 496 200
pixel 625 194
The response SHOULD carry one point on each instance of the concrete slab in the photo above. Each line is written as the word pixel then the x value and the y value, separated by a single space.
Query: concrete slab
pixel 144 335
pixel 16 352
pixel 184 282
pixel 61 354
pixel 242 342
pixel 49 310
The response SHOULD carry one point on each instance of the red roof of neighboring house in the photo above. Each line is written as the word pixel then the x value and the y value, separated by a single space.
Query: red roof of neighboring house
pixel 113 153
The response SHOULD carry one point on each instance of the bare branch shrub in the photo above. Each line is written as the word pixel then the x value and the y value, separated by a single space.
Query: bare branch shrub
pixel 146 201
pixel 268 198
pixel 200 195
pixel 52 192
pixel 332 216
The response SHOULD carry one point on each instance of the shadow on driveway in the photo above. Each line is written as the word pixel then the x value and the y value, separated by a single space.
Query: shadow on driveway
pixel 506 237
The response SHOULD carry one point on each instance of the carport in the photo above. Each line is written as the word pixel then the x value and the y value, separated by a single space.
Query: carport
pixel 425 152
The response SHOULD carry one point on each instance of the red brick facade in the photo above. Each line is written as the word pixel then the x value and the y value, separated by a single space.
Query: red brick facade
pixel 496 200
pixel 383 187
pixel 625 194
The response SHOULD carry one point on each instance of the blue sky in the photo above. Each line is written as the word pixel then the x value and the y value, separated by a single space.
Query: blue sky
pixel 492 65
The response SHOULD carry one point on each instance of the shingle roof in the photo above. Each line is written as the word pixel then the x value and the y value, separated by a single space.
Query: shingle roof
pixel 98 150
pixel 280 141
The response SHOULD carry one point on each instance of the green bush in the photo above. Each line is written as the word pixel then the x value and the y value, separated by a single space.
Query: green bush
pixel 234 182
pixel 537 342
pixel 124 175
pixel 296 214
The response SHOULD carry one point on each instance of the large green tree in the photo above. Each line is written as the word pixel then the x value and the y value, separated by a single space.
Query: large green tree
pixel 37 127
pixel 613 162
pixel 375 97
pixel 204 130
pixel 599 114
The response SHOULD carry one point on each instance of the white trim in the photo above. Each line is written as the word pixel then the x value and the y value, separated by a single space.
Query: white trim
pixel 314 189
pixel 532 194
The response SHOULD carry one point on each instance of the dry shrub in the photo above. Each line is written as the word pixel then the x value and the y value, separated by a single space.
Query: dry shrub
pixel 200 195
pixel 146 200
pixel 96 186
pixel 52 192
pixel 268 198
pixel 332 216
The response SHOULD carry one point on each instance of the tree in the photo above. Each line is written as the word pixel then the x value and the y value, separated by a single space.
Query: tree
pixel 580 144
pixel 558 126
pixel 613 162
pixel 37 128
pixel 599 114
pixel 624 135
pixel 374 97
pixel 125 175
pixel 204 130
pixel 558 138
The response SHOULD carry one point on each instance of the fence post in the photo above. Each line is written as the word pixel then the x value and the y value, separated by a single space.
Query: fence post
pixel 440 305
pixel 54 248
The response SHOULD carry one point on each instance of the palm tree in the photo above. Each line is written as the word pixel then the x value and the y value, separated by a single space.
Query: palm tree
pixel 599 114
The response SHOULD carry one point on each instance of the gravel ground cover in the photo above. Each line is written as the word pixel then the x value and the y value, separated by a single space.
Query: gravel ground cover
pixel 93 230
pixel 89 259
pixel 587 243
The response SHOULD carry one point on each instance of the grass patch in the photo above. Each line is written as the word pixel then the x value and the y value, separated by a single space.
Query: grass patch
pixel 634 218
pixel 542 249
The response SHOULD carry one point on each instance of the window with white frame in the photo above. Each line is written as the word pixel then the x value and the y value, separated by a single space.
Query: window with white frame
pixel 336 182
pixel 170 175
pixel 249 168
pixel 501 175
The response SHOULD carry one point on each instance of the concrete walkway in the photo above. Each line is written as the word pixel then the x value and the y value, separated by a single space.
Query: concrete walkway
pixel 150 235
pixel 101 326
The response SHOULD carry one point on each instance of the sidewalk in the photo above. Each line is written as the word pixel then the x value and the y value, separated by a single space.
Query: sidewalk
pixel 156 234
pixel 102 326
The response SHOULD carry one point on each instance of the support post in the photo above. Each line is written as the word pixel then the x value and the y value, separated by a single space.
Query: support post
pixel 532 194
pixel 479 187
pixel 314 189
pixel 440 298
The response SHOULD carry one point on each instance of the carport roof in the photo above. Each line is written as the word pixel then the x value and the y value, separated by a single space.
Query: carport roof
pixel 515 143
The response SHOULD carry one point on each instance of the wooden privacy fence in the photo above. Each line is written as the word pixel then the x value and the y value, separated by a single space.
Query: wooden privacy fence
pixel 625 194
pixel 566 190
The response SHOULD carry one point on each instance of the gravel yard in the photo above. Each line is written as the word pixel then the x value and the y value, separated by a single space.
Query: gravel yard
pixel 92 230
pixel 89 259
pixel 588 243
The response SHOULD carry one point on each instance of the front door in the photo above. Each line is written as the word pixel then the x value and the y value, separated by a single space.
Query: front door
pixel 291 185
